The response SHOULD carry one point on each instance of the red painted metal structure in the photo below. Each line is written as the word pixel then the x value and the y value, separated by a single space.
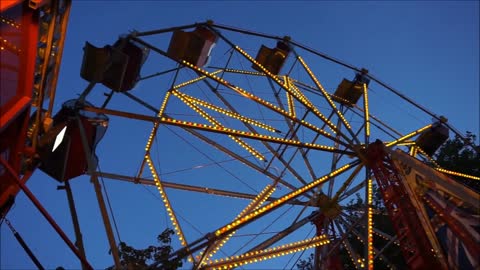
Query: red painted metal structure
pixel 28 71
pixel 19 30
pixel 414 241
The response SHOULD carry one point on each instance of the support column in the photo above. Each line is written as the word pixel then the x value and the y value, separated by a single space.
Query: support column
pixel 76 224
pixel 44 212
pixel 98 192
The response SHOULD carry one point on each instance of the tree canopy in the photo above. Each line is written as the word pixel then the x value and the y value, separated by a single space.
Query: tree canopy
pixel 150 258
pixel 461 156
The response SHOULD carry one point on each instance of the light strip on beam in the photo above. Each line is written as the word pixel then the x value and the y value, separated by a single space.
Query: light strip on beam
pixel 409 135
pixel 290 101
pixel 166 202
pixel 178 86
pixel 216 123
pixel 254 204
pixel 458 174
pixel 365 111
pixel 370 253
pixel 324 92
pixel 267 104
pixel 261 255
pixel 281 201
pixel 245 134
pixel 230 113
pixel 246 72
pixel 419 149
pixel 284 85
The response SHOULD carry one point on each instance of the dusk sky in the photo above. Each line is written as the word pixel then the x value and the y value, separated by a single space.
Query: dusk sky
pixel 429 51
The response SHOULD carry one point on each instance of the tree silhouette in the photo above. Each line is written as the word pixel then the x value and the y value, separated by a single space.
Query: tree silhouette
pixel 150 258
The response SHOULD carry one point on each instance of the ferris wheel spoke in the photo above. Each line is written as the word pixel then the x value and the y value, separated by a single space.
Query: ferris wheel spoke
pixel 292 90
pixel 275 153
pixel 366 113
pixel 281 111
pixel 281 201
pixel 377 253
pixel 253 205
pixel 240 71
pixel 167 204
pixel 286 86
pixel 341 190
pixel 334 247
pixel 363 239
pixel 408 136
pixel 377 232
pixel 294 135
pixel 217 124
pixel 231 114
pixel 284 233
pixel 303 99
pixel 156 74
pixel 194 80
pixel 335 160
pixel 266 104
pixel 351 253
pixel 260 255
pixel 281 149
pixel 200 189
pixel 369 250
pixel 306 205
pixel 243 134
pixel 327 96
pixel 376 122
pixel 314 90
pixel 352 191
pixel 305 160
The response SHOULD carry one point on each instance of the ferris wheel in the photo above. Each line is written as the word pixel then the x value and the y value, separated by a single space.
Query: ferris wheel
pixel 274 161
pixel 261 149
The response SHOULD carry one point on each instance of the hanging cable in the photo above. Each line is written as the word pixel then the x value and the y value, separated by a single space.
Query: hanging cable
pixel 24 245
pixel 211 159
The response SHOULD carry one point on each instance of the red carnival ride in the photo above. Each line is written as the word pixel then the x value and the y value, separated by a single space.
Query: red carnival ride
pixel 293 126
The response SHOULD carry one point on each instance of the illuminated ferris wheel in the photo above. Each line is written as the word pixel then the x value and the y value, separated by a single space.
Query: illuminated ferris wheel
pixel 279 162
pixel 262 148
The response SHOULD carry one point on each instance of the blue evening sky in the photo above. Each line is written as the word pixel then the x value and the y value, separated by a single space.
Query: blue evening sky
pixel 428 50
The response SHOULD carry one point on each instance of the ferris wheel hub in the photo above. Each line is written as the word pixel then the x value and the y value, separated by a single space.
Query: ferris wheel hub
pixel 328 207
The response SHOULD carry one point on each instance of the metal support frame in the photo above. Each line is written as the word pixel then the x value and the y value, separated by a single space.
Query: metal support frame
pixel 200 189
pixel 376 170
pixel 228 85
pixel 349 66
pixel 185 124
pixel 24 246
pixel 266 144
pixel 415 244
pixel 237 224
pixel 44 212
pixel 459 229
pixel 76 224
pixel 98 192
pixel 58 56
